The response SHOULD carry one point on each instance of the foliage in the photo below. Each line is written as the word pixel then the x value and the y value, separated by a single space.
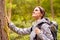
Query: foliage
pixel 22 11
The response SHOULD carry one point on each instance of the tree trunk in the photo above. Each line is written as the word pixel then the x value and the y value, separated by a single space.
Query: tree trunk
pixel 9 9
pixel 52 10
pixel 3 22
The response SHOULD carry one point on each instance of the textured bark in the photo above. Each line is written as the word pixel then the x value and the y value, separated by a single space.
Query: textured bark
pixel 3 22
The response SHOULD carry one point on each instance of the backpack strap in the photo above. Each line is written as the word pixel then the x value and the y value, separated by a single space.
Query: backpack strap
pixel 39 25
pixel 31 29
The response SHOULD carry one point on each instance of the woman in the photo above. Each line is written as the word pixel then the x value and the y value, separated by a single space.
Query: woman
pixel 43 34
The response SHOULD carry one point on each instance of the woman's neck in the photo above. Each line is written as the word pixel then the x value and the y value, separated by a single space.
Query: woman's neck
pixel 38 18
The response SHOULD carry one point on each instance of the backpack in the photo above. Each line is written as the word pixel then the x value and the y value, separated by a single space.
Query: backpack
pixel 53 28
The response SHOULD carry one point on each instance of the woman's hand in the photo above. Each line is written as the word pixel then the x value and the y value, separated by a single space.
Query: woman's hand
pixel 8 20
pixel 37 30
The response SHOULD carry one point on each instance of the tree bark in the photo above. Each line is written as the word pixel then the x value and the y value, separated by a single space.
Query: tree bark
pixel 3 22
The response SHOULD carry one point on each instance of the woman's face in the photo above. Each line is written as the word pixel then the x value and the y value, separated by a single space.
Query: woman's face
pixel 36 13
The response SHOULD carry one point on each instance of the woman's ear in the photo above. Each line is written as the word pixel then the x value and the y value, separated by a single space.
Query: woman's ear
pixel 41 15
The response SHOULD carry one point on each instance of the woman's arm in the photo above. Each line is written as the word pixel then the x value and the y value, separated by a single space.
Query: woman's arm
pixel 19 30
pixel 16 29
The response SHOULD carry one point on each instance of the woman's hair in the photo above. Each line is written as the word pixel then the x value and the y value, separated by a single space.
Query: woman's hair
pixel 42 11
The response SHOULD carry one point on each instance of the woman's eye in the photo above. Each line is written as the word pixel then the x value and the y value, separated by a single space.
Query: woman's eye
pixel 36 10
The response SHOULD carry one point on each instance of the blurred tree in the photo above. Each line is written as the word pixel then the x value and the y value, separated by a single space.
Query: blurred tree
pixel 52 9
pixel 3 22
pixel 38 2
pixel 9 9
